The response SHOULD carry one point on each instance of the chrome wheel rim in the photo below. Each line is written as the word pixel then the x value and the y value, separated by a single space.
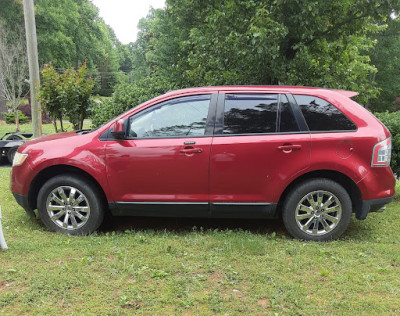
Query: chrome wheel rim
pixel 318 213
pixel 68 207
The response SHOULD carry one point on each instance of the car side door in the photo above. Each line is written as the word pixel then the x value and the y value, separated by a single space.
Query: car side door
pixel 161 167
pixel 260 142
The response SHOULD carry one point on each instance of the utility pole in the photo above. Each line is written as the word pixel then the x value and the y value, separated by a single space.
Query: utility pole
pixel 34 79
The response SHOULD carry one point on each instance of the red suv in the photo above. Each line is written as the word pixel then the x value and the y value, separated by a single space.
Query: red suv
pixel 310 155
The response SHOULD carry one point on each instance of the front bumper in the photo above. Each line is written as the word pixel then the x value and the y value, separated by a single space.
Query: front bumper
pixel 23 201
pixel 371 206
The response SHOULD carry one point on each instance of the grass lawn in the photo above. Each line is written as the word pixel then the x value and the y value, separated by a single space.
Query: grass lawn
pixel 46 128
pixel 197 267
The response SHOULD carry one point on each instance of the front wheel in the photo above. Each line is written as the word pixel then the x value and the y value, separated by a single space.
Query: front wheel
pixel 70 204
pixel 318 210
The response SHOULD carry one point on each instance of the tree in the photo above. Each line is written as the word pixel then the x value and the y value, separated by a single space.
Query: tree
pixel 70 32
pixel 67 94
pixel 10 15
pixel 297 42
pixel 386 58
pixel 14 68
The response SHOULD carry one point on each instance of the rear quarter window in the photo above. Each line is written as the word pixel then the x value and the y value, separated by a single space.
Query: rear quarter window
pixel 321 116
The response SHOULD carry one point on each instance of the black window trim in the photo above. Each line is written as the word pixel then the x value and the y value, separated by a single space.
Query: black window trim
pixel 298 115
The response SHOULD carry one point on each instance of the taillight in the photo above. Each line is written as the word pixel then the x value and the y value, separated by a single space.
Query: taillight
pixel 381 153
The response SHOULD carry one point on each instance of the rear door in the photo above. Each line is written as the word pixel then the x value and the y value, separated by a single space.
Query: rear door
pixel 260 142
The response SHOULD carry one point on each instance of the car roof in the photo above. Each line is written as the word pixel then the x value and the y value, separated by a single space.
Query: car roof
pixel 265 89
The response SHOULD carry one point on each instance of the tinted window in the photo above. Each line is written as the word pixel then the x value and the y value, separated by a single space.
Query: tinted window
pixel 288 122
pixel 178 117
pixel 250 113
pixel 320 115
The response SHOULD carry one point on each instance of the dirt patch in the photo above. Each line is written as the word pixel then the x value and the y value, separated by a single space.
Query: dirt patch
pixel 4 285
pixel 215 278
pixel 264 302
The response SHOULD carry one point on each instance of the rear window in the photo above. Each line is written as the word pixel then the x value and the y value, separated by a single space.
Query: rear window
pixel 250 113
pixel 322 116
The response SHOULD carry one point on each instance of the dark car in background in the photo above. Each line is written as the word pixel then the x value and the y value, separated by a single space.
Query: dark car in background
pixel 9 144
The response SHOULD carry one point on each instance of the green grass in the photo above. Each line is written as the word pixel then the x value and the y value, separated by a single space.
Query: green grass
pixel 46 128
pixel 197 267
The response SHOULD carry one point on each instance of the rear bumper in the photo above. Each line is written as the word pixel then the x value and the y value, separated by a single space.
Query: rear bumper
pixel 371 206
pixel 23 201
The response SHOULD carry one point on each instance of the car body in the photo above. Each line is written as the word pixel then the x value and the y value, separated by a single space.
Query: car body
pixel 310 155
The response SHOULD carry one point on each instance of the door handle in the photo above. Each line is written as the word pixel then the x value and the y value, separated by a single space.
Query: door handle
pixel 288 148
pixel 191 151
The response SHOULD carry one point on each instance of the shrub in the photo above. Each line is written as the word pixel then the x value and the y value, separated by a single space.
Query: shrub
pixel 67 94
pixel 392 122
pixel 10 118
pixel 127 96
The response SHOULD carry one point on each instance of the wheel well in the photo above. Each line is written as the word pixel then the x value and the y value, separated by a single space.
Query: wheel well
pixel 343 180
pixel 50 172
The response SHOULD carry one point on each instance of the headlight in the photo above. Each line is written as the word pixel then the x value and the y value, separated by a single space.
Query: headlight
pixel 19 159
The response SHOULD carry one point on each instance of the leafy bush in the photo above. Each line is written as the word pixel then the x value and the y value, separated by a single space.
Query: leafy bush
pixel 10 118
pixel 127 96
pixel 392 122
pixel 67 94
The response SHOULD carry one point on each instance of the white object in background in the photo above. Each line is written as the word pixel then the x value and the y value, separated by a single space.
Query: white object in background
pixel 3 244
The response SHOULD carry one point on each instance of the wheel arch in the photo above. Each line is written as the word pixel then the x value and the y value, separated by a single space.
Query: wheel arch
pixel 53 171
pixel 347 183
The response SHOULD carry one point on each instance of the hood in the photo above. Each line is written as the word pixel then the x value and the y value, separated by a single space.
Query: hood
pixel 49 138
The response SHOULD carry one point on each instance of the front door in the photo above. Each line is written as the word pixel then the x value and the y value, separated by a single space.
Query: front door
pixel 162 166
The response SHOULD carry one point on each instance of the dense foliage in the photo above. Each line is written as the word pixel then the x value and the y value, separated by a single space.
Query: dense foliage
pixel 10 118
pixel 70 32
pixel 266 42
pixel 392 122
pixel 386 57
pixel 67 94
pixel 299 42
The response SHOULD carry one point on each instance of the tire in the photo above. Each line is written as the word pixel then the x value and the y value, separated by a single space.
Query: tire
pixel 11 153
pixel 317 210
pixel 3 158
pixel 69 217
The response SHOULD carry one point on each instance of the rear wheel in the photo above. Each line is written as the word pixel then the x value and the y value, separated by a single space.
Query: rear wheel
pixel 318 209
pixel 70 204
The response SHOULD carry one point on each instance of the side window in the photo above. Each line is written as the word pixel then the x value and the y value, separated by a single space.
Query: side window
pixel 179 117
pixel 321 116
pixel 250 113
pixel 287 120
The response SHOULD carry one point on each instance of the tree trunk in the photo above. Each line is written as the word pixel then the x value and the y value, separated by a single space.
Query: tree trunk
pixel 16 120
pixel 55 125
pixel 3 102
pixel 82 118
pixel 61 125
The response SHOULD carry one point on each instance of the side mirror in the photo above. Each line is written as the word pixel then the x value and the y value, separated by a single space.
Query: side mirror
pixel 118 130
